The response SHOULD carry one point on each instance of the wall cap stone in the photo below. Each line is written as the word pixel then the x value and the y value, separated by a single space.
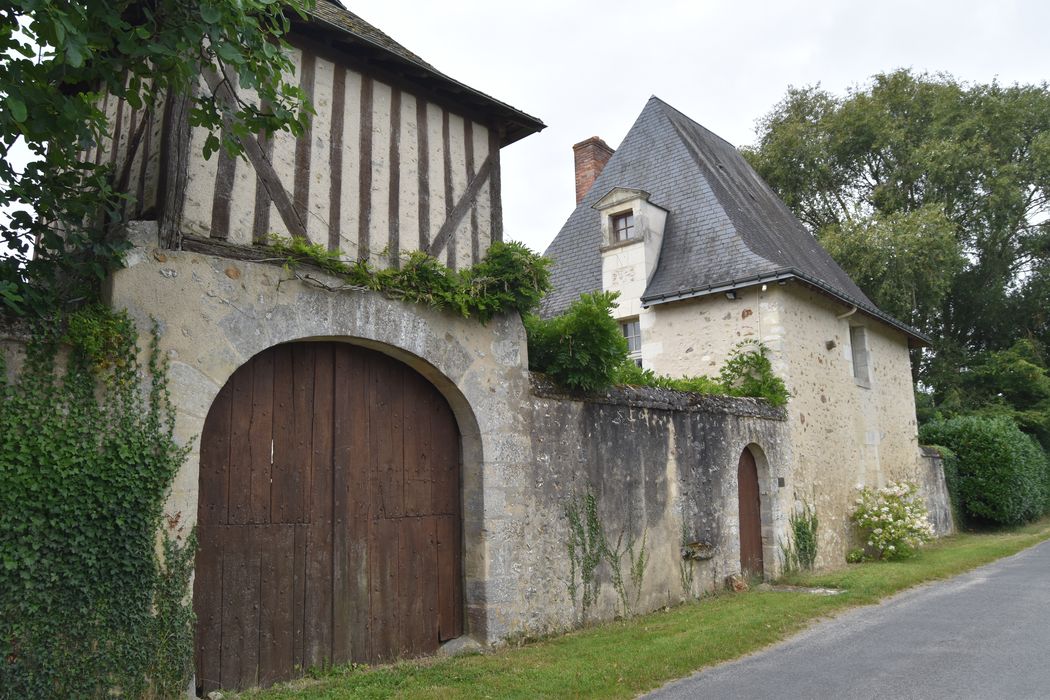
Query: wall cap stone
pixel 660 399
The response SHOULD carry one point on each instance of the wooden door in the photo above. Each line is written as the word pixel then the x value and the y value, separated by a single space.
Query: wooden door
pixel 750 515
pixel 328 517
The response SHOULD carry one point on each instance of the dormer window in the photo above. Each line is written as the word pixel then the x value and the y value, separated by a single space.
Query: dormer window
pixel 623 227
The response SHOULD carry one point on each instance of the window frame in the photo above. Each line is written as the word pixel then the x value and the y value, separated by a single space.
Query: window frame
pixel 860 356
pixel 625 327
pixel 628 218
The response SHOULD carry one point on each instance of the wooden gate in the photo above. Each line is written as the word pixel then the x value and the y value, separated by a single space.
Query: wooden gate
pixel 750 515
pixel 329 517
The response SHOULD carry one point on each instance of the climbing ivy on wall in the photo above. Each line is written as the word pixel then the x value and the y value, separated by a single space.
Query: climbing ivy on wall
pixel 88 608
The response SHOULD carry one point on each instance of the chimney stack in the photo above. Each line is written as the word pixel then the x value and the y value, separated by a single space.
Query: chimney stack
pixel 590 156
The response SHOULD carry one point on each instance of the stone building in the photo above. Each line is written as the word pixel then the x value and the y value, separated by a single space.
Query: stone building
pixel 372 479
pixel 704 256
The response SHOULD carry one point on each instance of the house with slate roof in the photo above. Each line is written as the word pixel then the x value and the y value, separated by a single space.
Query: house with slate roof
pixel 704 256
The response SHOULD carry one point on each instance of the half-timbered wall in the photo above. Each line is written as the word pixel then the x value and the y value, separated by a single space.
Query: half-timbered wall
pixel 379 172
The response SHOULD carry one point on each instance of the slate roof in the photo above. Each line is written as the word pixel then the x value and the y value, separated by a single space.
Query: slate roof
pixel 726 228
pixel 355 36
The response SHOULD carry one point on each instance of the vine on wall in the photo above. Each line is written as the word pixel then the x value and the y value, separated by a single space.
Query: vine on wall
pixel 87 606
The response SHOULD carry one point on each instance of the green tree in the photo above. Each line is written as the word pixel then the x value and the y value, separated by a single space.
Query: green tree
pixel 59 60
pixel 933 195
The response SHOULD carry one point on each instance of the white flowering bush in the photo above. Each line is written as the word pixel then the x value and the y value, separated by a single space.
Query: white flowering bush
pixel 894 518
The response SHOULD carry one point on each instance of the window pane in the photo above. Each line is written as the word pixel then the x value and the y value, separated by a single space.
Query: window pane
pixel 633 332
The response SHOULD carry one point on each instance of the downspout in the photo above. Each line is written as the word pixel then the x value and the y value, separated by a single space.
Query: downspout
pixel 848 313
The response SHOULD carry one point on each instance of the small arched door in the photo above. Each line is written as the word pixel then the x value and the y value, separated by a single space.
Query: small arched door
pixel 750 515
pixel 328 517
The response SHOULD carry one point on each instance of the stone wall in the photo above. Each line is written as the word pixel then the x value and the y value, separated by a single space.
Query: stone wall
pixel 662 467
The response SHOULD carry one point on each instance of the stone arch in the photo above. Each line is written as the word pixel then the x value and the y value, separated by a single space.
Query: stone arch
pixel 215 314
pixel 342 536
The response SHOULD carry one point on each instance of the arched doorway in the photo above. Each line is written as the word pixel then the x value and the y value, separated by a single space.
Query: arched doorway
pixel 750 515
pixel 329 516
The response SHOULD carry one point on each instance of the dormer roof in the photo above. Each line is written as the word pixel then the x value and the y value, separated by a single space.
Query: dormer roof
pixel 726 228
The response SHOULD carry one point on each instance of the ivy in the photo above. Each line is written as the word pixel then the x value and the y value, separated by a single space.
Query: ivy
pixel 509 278
pixel 87 607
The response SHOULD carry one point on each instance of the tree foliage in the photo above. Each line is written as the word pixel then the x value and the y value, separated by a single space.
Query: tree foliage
pixel 59 60
pixel 934 195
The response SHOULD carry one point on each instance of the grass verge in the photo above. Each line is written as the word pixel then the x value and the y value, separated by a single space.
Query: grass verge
pixel 623 659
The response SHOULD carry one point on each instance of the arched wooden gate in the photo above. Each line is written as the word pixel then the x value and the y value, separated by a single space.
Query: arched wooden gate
pixel 329 516
pixel 750 515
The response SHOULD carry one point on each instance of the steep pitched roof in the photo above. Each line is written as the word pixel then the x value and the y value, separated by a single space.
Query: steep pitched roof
pixel 355 37
pixel 726 228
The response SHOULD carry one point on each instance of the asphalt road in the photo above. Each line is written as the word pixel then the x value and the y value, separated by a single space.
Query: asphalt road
pixel 985 634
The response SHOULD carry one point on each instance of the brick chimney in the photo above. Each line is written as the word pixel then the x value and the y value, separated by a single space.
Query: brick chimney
pixel 591 156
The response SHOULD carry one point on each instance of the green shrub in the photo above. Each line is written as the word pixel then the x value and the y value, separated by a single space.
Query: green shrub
pixel 748 372
pixel 581 348
pixel 629 373
pixel 1000 472
pixel 87 608
pixel 895 519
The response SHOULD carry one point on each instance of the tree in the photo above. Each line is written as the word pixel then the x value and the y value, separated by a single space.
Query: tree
pixel 933 195
pixel 60 59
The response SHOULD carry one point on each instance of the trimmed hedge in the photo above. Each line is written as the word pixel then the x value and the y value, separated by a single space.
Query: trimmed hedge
pixel 1000 475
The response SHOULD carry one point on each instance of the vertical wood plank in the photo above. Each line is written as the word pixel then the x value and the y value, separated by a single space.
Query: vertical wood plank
pixel 449 578
pixel 416 444
pixel 359 484
pixel 446 140
pixel 495 187
pixel 285 500
pixel 303 359
pixel 263 201
pixel 225 172
pixel 240 618
pixel 423 152
pixel 240 472
pixel 214 461
pixel 318 630
pixel 299 553
pixel 335 155
pixel 275 604
pixel 416 575
pixel 304 144
pixel 445 462
pixel 208 606
pixel 365 189
pixel 394 160
pixel 261 436
pixel 386 438
pixel 468 145
pixel 342 459
pixel 383 556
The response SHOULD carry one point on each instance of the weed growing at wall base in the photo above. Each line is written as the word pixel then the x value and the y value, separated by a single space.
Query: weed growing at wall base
pixel 87 607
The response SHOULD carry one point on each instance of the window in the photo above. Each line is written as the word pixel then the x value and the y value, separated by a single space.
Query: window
pixel 633 332
pixel 858 341
pixel 623 227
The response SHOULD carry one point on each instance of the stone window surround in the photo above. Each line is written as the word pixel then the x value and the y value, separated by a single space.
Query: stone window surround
pixel 626 324
pixel 860 356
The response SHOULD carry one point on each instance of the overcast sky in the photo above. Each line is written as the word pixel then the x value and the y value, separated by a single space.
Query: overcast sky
pixel 587 68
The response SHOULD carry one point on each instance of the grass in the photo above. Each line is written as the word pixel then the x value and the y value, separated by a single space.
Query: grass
pixel 623 659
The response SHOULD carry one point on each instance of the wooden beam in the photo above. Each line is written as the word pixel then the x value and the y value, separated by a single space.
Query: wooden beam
pixel 223 91
pixel 448 229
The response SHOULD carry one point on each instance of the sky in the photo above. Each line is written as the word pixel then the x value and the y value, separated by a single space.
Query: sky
pixel 587 68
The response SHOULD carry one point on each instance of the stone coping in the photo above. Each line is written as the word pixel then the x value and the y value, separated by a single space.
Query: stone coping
pixel 661 399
